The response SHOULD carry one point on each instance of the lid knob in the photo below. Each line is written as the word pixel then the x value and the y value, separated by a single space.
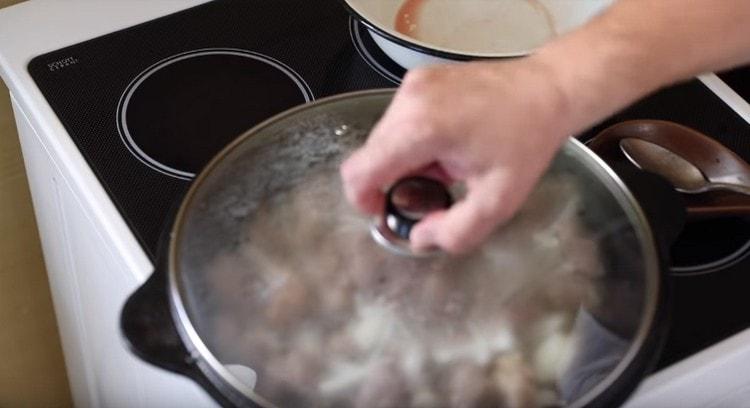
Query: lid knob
pixel 408 202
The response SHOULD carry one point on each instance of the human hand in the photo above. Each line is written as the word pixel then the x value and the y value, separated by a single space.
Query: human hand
pixel 496 125
pixel 493 125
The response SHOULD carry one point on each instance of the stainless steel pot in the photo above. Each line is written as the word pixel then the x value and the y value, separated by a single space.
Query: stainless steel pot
pixel 271 290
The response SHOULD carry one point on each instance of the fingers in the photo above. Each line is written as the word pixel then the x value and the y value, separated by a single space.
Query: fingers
pixel 489 202
pixel 446 117
pixel 393 150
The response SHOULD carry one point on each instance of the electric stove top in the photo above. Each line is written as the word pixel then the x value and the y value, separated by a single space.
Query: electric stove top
pixel 148 106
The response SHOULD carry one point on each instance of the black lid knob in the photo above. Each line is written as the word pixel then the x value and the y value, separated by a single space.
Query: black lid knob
pixel 410 200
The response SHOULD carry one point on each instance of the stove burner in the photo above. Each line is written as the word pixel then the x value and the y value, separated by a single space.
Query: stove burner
pixel 372 54
pixel 710 246
pixel 181 111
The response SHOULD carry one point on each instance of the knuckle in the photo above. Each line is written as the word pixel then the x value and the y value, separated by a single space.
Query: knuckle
pixel 415 132
pixel 424 131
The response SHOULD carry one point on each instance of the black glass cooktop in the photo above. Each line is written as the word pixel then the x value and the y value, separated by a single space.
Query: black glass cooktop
pixel 711 259
pixel 738 80
pixel 150 105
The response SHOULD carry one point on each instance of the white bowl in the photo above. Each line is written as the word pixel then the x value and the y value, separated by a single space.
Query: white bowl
pixel 420 32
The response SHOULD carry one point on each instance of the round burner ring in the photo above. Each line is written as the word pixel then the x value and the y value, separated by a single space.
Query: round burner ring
pixel 371 53
pixel 173 166
pixel 713 265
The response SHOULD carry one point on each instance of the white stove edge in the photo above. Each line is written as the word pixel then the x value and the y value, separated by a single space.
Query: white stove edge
pixel 93 260
pixel 715 377
pixel 38 26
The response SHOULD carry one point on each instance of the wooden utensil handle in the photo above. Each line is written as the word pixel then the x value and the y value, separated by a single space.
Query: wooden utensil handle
pixel 694 147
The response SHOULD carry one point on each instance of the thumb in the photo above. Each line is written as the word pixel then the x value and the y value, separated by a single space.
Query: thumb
pixel 490 201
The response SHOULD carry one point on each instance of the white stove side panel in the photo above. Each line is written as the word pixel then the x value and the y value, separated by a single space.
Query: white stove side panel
pixel 38 26
pixel 43 182
pixel 90 284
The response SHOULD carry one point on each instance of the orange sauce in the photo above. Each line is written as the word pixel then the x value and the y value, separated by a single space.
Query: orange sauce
pixel 407 17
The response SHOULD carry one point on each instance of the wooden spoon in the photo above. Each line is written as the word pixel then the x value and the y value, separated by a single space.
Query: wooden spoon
pixel 714 161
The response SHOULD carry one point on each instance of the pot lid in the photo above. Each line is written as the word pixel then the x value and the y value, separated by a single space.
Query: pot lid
pixel 280 287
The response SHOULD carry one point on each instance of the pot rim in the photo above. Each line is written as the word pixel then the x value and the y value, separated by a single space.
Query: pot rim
pixel 200 353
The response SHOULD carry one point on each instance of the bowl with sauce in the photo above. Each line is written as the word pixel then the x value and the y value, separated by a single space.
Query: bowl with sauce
pixel 419 32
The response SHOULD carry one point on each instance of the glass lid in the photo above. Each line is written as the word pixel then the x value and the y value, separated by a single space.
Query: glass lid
pixel 279 284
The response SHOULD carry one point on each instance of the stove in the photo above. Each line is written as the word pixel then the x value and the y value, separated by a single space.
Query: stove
pixel 155 114
pixel 126 117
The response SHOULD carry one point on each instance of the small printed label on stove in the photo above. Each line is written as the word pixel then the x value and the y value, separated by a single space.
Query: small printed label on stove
pixel 60 64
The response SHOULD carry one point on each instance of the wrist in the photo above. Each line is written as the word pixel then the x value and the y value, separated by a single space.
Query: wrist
pixel 599 70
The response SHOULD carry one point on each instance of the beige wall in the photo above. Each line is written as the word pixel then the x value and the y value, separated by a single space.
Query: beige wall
pixel 5 3
pixel 32 371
